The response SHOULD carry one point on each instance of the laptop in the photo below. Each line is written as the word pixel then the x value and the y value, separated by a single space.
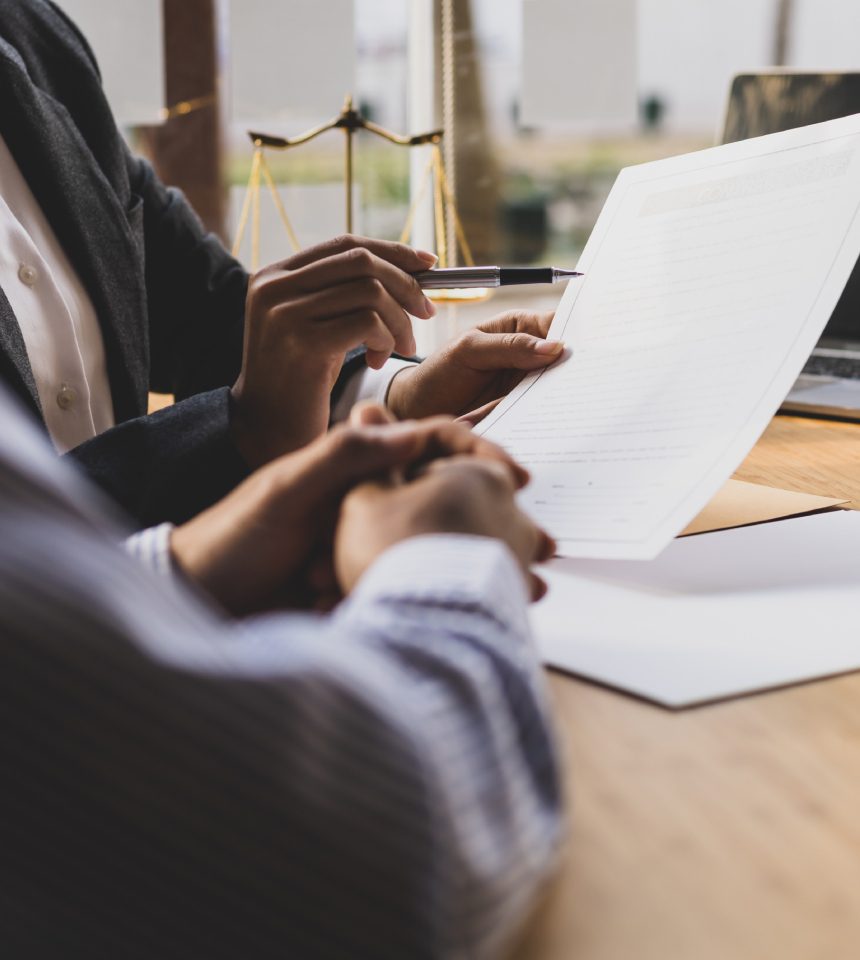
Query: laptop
pixel 775 100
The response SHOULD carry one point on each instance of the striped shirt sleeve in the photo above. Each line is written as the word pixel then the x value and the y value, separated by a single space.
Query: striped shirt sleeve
pixel 151 547
pixel 379 783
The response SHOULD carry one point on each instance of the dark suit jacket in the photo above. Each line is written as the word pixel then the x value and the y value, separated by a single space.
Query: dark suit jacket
pixel 169 298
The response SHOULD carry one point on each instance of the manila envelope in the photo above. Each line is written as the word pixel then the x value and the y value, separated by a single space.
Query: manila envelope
pixel 739 503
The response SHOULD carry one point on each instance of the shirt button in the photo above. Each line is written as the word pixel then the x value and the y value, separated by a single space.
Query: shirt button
pixel 66 397
pixel 27 275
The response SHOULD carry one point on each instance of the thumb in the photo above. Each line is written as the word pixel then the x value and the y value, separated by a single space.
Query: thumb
pixel 363 451
pixel 474 417
pixel 367 413
pixel 509 351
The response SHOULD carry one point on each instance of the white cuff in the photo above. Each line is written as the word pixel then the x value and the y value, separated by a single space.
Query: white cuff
pixel 367 384
pixel 151 548
pixel 451 571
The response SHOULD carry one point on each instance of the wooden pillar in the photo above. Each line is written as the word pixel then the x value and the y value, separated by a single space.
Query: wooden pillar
pixel 187 149
pixel 475 174
pixel 782 33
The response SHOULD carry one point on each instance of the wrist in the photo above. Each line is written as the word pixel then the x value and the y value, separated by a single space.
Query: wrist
pixel 461 570
pixel 226 551
pixel 397 395
pixel 245 428
pixel 186 555
pixel 262 431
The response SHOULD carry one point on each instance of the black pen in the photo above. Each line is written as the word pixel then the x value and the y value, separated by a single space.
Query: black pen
pixel 455 278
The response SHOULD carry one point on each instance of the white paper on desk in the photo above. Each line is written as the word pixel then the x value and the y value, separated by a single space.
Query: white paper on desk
pixel 713 616
pixel 709 278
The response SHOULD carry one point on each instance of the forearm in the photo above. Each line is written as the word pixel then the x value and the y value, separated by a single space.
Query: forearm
pixel 451 613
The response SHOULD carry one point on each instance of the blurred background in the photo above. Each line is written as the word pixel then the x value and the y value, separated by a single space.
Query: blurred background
pixel 542 103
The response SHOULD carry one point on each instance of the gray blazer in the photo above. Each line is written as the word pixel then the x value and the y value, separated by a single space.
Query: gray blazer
pixel 169 298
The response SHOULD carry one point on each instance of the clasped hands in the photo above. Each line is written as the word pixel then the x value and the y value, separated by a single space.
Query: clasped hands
pixel 323 505
pixel 302 530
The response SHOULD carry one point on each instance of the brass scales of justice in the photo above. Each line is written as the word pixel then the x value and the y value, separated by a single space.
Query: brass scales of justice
pixel 350 121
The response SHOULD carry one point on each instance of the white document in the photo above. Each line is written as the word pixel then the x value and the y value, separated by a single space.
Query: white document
pixel 715 615
pixel 708 280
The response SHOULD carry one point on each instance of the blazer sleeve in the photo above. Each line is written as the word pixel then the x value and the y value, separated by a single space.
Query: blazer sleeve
pixel 171 465
pixel 195 292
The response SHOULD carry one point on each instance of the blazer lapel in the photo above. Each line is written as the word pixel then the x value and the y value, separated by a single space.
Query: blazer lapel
pixel 89 220
pixel 13 358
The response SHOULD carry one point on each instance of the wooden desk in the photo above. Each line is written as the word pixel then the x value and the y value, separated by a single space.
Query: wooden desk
pixel 726 832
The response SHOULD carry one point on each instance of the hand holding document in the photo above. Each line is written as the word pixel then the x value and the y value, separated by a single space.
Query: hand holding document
pixel 709 279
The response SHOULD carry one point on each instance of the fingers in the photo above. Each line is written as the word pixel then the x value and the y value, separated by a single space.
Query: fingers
pixel 398 254
pixel 543 547
pixel 386 266
pixel 495 474
pixel 507 351
pixel 519 321
pixel 340 334
pixel 371 447
pixel 326 309
pixel 434 437
pixel 348 276
pixel 359 263
pixel 546 548
pixel 367 413
pixel 440 437
pixel 474 417
pixel 529 543
pixel 537 587
pixel 459 492
pixel 544 322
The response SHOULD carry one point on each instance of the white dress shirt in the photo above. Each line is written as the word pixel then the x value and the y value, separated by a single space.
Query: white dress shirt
pixel 57 319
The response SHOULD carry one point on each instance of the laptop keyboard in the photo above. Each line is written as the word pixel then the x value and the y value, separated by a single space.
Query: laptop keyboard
pixel 845 368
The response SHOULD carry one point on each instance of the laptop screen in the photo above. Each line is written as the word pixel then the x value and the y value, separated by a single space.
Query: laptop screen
pixel 762 103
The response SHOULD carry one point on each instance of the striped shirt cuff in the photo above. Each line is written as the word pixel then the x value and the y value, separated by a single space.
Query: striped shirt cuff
pixel 455 571
pixel 151 548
